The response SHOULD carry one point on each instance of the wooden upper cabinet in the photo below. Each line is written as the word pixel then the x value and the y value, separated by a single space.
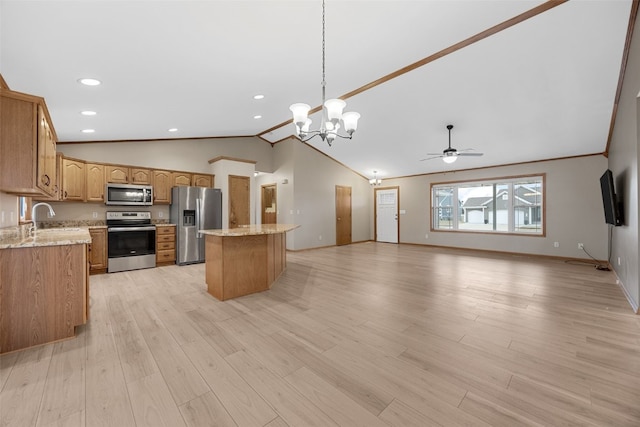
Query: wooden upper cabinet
pixel 28 148
pixel 200 180
pixel 181 179
pixel 95 182
pixel 162 184
pixel 116 174
pixel 73 180
pixel 141 176
pixel 46 154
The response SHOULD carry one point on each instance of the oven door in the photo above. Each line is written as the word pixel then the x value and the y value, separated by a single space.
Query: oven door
pixel 131 248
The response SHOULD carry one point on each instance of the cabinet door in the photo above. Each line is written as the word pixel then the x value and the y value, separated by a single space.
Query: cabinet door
pixel 161 187
pixel 181 178
pixel 140 176
pixel 98 251
pixel 200 180
pixel 95 182
pixel 46 155
pixel 116 174
pixel 73 180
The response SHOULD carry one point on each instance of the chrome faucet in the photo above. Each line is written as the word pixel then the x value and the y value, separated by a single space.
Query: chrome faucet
pixel 33 227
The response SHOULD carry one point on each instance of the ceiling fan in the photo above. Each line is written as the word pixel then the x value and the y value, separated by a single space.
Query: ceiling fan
pixel 450 155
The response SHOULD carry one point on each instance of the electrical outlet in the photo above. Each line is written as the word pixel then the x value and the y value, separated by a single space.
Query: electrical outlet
pixel 95 214
pixel 619 261
pixel 160 214
pixel 426 236
pixel 320 237
pixel 580 245
pixel 556 244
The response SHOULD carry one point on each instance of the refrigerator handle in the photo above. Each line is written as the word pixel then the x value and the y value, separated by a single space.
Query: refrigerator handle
pixel 198 235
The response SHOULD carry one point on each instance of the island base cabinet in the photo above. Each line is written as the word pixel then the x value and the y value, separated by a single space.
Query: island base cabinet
pixel 44 294
pixel 242 265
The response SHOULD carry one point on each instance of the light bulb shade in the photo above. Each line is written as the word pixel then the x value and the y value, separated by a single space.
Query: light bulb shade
pixel 332 131
pixel 350 121
pixel 334 109
pixel 300 112
pixel 449 158
pixel 306 126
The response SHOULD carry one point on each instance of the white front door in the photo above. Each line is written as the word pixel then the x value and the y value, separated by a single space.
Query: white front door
pixel 387 215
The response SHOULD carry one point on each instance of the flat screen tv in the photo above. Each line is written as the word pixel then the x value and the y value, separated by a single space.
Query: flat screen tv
pixel 609 200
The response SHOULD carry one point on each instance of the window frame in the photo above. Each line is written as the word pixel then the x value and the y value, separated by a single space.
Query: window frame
pixel 511 180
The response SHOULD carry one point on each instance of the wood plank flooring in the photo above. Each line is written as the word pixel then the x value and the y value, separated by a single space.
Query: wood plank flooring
pixel 362 335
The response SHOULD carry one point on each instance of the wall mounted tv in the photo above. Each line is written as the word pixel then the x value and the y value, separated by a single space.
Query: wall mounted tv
pixel 612 211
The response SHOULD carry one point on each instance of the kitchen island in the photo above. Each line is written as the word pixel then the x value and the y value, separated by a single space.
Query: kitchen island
pixel 245 260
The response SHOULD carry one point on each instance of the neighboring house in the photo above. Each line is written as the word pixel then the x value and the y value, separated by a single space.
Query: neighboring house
pixel 527 209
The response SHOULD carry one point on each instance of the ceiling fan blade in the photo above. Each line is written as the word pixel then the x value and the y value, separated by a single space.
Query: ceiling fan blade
pixel 431 158
pixel 470 154
pixel 434 154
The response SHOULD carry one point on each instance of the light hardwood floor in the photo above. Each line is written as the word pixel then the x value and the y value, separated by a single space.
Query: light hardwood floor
pixel 361 335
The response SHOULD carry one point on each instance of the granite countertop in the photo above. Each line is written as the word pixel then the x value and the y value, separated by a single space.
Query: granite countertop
pixel 251 230
pixel 48 237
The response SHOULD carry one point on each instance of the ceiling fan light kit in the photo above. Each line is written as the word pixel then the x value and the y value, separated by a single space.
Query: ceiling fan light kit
pixel 449 154
pixel 332 115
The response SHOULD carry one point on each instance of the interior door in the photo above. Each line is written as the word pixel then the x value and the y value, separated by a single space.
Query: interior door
pixel 386 215
pixel 239 201
pixel 269 204
pixel 343 215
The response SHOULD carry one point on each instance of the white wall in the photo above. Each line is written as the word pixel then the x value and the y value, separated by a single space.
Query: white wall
pixel 623 162
pixel 9 214
pixel 574 212
pixel 188 155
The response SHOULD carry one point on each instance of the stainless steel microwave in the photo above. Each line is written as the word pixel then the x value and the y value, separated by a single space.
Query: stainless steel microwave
pixel 128 195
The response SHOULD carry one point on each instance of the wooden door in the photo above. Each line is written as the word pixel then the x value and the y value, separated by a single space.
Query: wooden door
pixel 239 201
pixel 181 178
pixel 98 249
pixel 46 155
pixel 95 182
pixel 73 179
pixel 117 174
pixel 140 176
pixel 343 215
pixel 269 204
pixel 161 187
pixel 200 180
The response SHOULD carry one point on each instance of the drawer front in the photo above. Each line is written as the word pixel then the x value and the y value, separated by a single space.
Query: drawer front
pixel 162 230
pixel 163 246
pixel 165 255
pixel 165 238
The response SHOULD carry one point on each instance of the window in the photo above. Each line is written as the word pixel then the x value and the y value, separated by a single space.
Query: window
pixel 24 208
pixel 504 205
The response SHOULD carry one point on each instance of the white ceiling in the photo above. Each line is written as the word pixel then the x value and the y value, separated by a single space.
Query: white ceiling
pixel 543 88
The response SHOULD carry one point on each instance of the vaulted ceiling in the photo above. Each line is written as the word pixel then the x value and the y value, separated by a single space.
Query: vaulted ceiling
pixel 519 80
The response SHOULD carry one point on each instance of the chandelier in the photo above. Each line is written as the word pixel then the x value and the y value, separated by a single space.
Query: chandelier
pixel 375 181
pixel 332 116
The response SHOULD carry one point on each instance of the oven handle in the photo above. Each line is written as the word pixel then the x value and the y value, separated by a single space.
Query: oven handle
pixel 150 228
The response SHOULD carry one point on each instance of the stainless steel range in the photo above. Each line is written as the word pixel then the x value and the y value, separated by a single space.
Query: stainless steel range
pixel 131 241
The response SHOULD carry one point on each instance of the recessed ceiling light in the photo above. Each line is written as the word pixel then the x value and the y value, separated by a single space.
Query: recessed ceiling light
pixel 90 82
pixel 173 130
pixel 257 117
pixel 258 97
pixel 88 113
pixel 88 130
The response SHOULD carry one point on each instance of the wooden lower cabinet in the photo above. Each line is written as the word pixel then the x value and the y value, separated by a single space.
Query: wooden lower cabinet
pixel 98 251
pixel 44 294
pixel 165 244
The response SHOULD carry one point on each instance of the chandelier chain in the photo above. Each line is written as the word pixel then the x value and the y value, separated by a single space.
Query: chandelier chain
pixel 324 82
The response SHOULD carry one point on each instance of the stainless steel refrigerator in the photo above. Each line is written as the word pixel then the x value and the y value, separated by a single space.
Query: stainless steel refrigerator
pixel 194 209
